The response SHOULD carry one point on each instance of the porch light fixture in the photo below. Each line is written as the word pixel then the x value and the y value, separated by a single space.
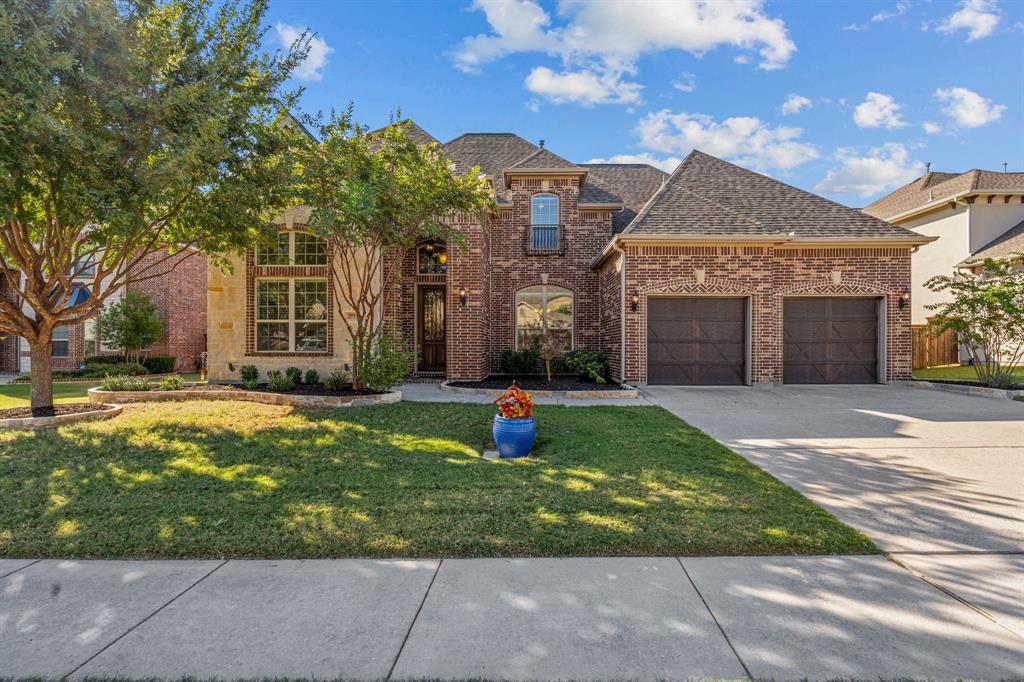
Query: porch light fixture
pixel 634 301
pixel 462 295
pixel 442 258
pixel 904 297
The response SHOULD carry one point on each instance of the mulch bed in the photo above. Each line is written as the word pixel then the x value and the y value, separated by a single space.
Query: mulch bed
pixel 299 389
pixel 69 408
pixel 539 383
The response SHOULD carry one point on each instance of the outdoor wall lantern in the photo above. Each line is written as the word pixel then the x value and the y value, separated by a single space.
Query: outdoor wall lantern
pixel 634 302
pixel 904 297
pixel 442 258
pixel 462 295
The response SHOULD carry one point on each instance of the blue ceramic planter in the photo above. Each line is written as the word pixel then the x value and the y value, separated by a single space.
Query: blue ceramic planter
pixel 514 437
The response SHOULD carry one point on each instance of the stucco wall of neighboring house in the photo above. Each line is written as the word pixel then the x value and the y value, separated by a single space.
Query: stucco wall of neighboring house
pixel 951 226
pixel 766 276
pixel 988 221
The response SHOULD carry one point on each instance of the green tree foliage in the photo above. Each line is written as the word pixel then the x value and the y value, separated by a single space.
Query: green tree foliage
pixel 130 325
pixel 129 128
pixel 986 311
pixel 373 195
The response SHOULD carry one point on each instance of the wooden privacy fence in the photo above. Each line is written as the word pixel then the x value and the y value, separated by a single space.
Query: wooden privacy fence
pixel 931 350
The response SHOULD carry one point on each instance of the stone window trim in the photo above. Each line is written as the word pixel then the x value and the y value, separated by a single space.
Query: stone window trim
pixel 552 284
pixel 254 272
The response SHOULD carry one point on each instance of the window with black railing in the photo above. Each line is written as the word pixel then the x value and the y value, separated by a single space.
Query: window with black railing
pixel 544 226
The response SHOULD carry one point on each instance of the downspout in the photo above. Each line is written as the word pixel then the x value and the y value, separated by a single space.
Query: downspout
pixel 622 310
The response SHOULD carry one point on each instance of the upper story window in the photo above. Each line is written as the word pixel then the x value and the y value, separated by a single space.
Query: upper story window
pixel 292 248
pixel 433 259
pixel 84 267
pixel 59 342
pixel 544 222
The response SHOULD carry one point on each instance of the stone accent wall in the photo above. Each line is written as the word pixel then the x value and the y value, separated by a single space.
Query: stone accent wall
pixel 767 275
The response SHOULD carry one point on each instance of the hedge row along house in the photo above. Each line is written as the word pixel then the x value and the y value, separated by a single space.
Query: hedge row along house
pixel 178 292
pixel 711 275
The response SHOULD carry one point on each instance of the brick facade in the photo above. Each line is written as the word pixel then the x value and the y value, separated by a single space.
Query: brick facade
pixel 767 275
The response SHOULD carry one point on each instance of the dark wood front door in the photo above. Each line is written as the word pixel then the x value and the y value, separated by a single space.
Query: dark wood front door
pixel 431 335
pixel 696 341
pixel 830 341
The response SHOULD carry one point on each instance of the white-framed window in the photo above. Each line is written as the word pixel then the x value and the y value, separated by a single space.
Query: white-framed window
pixel 544 307
pixel 91 336
pixel 59 342
pixel 292 248
pixel 85 267
pixel 544 222
pixel 291 315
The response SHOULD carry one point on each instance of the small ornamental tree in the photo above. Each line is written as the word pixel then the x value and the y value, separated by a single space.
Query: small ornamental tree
pixel 131 324
pixel 373 196
pixel 986 312
pixel 129 128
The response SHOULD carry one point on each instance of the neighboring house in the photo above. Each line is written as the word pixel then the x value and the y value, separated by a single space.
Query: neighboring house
pixel 713 275
pixel 975 215
pixel 178 291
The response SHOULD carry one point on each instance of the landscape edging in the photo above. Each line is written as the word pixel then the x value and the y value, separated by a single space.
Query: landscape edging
pixel 626 392
pixel 23 423
pixel 98 395
pixel 965 389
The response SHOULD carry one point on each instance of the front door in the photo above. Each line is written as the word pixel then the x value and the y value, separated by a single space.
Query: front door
pixel 431 336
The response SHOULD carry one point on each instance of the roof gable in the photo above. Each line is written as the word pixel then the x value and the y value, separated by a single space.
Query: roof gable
pixel 1007 244
pixel 707 196
pixel 938 186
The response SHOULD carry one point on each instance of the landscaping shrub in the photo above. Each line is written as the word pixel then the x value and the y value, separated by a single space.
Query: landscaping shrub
pixel 159 364
pixel 588 364
pixel 1001 379
pixel 131 324
pixel 518 362
pixel 154 364
pixel 123 382
pixel 312 377
pixel 280 381
pixel 295 374
pixel 172 383
pixel 337 380
pixel 384 365
pixel 250 376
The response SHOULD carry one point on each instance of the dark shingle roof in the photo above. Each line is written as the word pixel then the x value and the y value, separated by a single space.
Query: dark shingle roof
pixel 493 152
pixel 1007 244
pixel 936 186
pixel 542 158
pixel 635 183
pixel 708 196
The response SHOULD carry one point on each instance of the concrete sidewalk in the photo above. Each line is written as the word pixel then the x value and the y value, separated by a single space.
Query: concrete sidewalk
pixel 635 618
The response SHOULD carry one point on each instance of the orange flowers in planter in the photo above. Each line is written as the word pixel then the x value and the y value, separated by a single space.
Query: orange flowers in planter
pixel 515 403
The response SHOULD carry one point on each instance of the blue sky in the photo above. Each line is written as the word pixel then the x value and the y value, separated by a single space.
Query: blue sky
pixel 874 89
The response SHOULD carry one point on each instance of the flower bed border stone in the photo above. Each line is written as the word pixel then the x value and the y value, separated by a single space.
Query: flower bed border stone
pixel 968 389
pixel 103 411
pixel 627 391
pixel 98 395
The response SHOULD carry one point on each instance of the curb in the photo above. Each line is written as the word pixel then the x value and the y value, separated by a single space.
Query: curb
pixel 106 411
pixel 97 395
pixel 627 392
pixel 963 389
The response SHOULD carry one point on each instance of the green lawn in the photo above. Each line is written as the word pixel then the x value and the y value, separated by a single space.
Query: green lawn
pixel 956 372
pixel 212 479
pixel 16 395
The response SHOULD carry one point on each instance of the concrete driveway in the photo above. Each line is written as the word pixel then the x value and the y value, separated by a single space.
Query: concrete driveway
pixel 935 479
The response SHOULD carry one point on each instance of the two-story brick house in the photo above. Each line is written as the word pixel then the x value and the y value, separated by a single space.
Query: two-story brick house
pixel 714 274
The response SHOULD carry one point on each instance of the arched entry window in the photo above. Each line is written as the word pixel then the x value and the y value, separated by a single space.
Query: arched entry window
pixel 432 259
pixel 544 307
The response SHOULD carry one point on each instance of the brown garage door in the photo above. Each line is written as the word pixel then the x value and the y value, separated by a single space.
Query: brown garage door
pixel 696 340
pixel 830 340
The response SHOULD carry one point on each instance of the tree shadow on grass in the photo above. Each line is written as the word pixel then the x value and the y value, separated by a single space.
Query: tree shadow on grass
pixel 204 479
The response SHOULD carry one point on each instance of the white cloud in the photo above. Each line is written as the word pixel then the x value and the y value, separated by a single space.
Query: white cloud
pixel 312 68
pixel 878 110
pixel 968 109
pixel 687 82
pixel 606 39
pixel 883 169
pixel 979 17
pixel 741 59
pixel 582 87
pixel 747 140
pixel 667 164
pixel 931 127
pixel 794 103
pixel 901 8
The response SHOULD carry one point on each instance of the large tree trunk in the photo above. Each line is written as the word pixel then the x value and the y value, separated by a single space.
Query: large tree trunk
pixel 42 377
